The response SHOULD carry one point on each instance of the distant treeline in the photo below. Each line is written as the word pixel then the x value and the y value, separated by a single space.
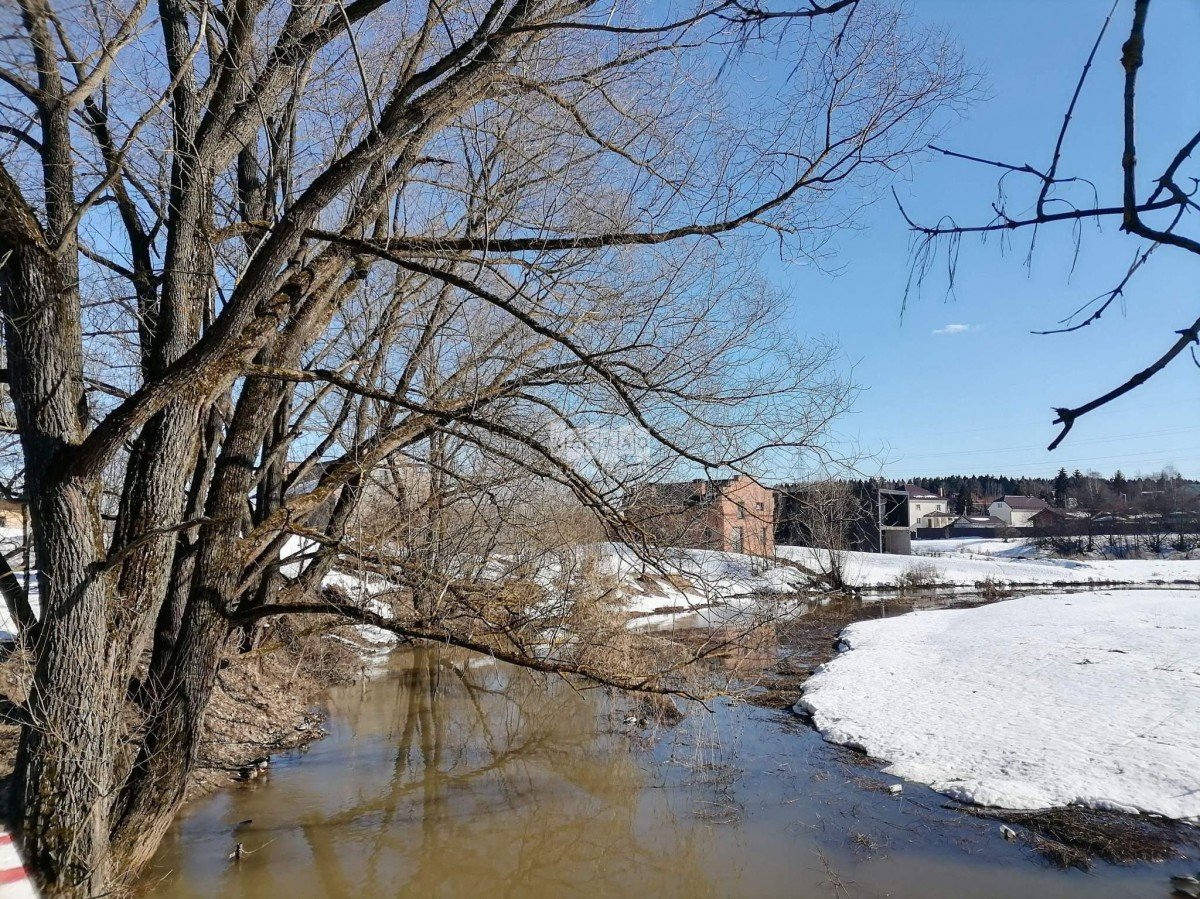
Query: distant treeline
pixel 1162 492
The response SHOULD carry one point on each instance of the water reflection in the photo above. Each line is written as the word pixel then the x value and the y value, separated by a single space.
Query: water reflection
pixel 447 780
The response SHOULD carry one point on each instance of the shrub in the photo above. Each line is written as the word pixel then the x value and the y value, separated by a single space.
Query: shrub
pixel 993 588
pixel 918 576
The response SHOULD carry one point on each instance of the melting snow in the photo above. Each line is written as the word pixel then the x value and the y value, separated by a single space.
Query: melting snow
pixel 1086 699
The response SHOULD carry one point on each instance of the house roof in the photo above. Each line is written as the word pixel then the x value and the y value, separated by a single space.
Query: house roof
pixel 1024 503
pixel 915 492
pixel 978 521
pixel 1050 510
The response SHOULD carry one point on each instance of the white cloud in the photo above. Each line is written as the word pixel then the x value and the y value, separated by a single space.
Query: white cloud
pixel 953 328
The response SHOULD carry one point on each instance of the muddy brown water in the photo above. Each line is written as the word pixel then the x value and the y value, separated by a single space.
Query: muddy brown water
pixel 439 780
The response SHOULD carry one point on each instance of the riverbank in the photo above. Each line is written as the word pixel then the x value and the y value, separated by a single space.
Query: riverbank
pixel 266 701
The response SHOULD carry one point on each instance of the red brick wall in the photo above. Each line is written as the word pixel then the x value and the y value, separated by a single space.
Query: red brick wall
pixel 748 505
pixel 704 515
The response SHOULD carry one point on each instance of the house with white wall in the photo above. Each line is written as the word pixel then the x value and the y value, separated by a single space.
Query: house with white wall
pixel 927 509
pixel 1017 511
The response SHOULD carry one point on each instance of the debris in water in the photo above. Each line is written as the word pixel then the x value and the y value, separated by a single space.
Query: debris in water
pixel 896 789
pixel 1186 884
pixel 238 852
pixel 1007 832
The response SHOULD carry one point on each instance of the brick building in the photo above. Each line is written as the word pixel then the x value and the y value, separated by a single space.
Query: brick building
pixel 733 515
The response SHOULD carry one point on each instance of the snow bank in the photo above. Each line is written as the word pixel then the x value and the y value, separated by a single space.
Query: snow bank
pixel 876 571
pixel 689 578
pixel 1044 701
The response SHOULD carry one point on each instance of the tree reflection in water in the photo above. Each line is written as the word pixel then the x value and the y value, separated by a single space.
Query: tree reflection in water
pixel 448 780
pixel 444 781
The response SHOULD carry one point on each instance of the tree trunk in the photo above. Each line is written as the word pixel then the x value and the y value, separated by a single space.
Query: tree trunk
pixel 64 764
pixel 65 761
pixel 156 788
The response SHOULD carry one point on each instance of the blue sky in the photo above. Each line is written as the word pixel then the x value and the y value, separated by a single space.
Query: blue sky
pixel 957 384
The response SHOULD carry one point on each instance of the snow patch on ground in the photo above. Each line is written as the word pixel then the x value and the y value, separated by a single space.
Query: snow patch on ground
pixel 361 590
pixel 1043 701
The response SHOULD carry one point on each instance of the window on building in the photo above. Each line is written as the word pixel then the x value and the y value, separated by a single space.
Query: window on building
pixel 741 511
pixel 761 507
pixel 736 541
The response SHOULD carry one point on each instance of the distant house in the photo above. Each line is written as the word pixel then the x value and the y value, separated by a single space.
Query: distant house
pixel 977 526
pixel 927 509
pixel 1018 511
pixel 733 515
pixel 939 519
pixel 1049 517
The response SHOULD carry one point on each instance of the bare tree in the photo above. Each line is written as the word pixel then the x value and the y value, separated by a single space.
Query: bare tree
pixel 262 260
pixel 828 512
pixel 1156 209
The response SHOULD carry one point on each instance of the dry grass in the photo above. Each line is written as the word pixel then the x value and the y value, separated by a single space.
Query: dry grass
pixel 870 784
pixel 1074 837
pixel 918 576
pixel 810 638
pixel 856 758
pixel 993 589
pixel 720 811
pixel 866 844
pixel 658 709
pixel 777 692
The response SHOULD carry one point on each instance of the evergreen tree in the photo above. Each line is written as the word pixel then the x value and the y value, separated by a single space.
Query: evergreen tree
pixel 963 502
pixel 1062 483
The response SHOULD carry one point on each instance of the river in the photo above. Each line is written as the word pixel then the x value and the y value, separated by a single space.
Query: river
pixel 439 779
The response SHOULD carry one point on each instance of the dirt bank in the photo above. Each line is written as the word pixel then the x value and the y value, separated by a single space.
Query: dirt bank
pixel 264 702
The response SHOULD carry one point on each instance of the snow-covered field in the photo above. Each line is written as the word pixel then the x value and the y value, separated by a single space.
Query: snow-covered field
pixel 1084 699
pixel 1125 547
pixel 1015 548
pixel 879 571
